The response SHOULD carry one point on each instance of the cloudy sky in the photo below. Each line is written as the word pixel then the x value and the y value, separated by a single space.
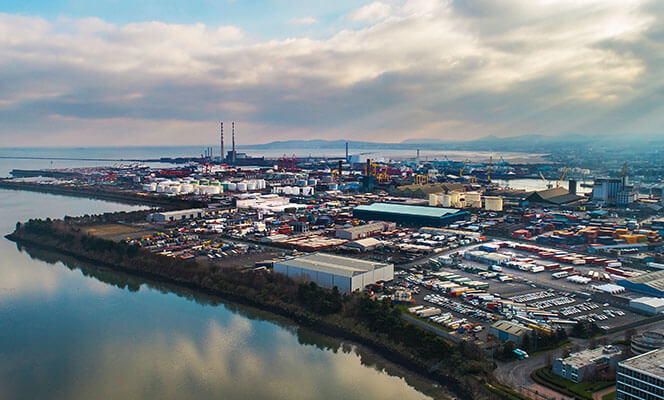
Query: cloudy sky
pixel 120 72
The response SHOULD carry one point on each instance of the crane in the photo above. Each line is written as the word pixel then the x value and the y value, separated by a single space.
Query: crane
pixel 548 184
pixel 462 168
pixel 624 170
pixel 562 177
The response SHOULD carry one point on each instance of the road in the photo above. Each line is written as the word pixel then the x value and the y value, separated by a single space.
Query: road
pixel 516 374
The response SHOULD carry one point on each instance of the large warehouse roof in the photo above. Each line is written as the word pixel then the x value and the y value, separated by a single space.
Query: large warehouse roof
pixel 434 212
pixel 331 264
pixel 655 280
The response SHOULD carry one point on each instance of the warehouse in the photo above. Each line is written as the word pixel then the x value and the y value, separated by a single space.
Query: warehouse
pixel 363 231
pixel 170 216
pixel 651 284
pixel 648 305
pixel 410 215
pixel 327 270
pixel 507 331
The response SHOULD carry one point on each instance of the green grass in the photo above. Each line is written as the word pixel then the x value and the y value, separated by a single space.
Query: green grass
pixel 583 390
pixel 505 393
pixel 610 396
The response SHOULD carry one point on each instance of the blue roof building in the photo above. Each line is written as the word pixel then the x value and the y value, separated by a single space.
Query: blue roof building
pixel 410 215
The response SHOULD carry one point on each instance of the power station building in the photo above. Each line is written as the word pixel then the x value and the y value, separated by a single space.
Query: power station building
pixel 327 270
pixel 410 215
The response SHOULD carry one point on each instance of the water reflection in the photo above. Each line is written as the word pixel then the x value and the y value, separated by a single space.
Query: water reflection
pixel 151 344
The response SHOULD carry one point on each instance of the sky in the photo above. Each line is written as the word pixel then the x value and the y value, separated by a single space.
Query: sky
pixel 164 72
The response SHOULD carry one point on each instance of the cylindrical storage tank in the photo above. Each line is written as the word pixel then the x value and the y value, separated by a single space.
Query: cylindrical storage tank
pixel 307 191
pixel 472 197
pixel 251 185
pixel 209 190
pixel 493 203
pixel 232 187
pixel 186 188
pixel 174 189
pixel 275 189
pixel 242 187
pixel 433 200
pixel 146 188
pixel 262 184
pixel 296 190
pixel 446 200
pixel 198 189
pixel 288 190
pixel 161 188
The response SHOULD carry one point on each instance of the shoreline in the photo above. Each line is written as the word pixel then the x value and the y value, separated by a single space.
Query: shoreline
pixel 316 324
pixel 106 195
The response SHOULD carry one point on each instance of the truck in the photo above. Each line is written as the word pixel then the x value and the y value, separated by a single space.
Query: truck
pixel 496 268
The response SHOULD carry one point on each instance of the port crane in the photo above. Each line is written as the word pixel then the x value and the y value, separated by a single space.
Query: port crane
pixel 560 181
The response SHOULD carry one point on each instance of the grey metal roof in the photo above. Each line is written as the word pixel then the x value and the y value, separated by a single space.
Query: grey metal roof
pixel 653 279
pixel 418 211
pixel 332 264
pixel 511 328
pixel 651 362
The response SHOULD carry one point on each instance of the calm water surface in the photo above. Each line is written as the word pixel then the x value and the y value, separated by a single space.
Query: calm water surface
pixel 73 331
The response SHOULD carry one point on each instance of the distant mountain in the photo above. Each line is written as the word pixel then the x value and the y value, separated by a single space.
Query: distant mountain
pixel 526 143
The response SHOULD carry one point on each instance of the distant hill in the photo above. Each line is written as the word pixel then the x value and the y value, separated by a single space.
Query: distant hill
pixel 526 143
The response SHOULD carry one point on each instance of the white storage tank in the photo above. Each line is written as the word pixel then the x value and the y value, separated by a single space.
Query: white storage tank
pixel 186 188
pixel 446 201
pixel 242 187
pixel 251 185
pixel 288 190
pixel 262 184
pixel 210 190
pixel 307 191
pixel 232 186
pixel 434 200
pixel 175 189
pixel 493 203
pixel 296 190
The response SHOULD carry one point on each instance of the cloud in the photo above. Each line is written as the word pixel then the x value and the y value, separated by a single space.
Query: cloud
pixel 372 12
pixel 419 68
pixel 303 21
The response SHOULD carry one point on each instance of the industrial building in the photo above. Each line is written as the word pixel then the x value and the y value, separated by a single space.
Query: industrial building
pixel 648 305
pixel 410 215
pixel 587 364
pixel 363 231
pixel 327 270
pixel 614 191
pixel 171 216
pixel 508 331
pixel 641 377
pixel 367 244
pixel 647 341
pixel 556 196
pixel 651 284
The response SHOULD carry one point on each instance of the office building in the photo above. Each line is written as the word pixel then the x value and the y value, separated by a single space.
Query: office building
pixel 587 364
pixel 641 377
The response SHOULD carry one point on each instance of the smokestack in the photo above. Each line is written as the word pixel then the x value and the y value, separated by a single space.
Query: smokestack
pixel 341 164
pixel 572 186
pixel 346 153
pixel 233 154
pixel 221 141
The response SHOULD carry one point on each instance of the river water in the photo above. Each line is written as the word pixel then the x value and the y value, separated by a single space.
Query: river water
pixel 69 330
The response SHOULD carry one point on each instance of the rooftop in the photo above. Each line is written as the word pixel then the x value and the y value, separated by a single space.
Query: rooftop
pixel 651 363
pixel 587 357
pixel 434 212
pixel 651 301
pixel 512 328
pixel 653 279
pixel 331 264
